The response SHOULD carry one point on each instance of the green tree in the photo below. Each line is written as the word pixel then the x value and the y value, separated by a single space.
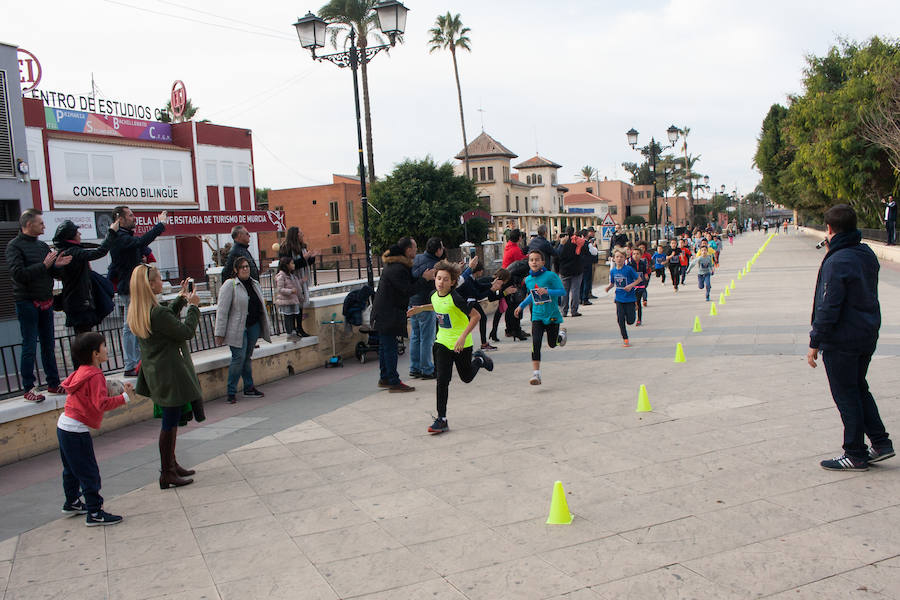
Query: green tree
pixel 168 116
pixel 587 173
pixel 262 197
pixel 448 33
pixel 421 199
pixel 360 16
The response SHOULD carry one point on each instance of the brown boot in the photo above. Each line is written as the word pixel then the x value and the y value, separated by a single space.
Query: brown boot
pixel 181 471
pixel 168 477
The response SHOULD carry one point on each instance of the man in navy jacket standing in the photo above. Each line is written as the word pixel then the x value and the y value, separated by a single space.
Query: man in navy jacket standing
pixel 846 318
pixel 890 219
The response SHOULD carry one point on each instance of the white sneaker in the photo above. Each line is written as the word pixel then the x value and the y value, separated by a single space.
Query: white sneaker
pixel 535 379
pixel 561 340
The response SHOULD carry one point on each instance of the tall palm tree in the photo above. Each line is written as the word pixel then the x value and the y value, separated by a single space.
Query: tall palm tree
pixel 587 173
pixel 448 33
pixel 360 16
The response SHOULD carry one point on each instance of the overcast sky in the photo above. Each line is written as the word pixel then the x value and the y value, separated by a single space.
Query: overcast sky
pixel 564 78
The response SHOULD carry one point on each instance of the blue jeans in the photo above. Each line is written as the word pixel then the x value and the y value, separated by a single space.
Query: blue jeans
pixel 587 283
pixel 703 281
pixel 130 347
pixel 387 359
pixel 242 361
pixel 35 323
pixel 423 330
pixel 80 468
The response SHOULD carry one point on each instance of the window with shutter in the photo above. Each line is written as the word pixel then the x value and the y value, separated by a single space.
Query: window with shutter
pixel 7 158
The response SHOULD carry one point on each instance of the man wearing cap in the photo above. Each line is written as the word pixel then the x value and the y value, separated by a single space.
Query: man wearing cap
pixel 32 266
pixel 126 253
pixel 79 299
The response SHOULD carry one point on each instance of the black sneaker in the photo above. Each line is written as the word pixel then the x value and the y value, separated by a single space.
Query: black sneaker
pixel 880 455
pixel 845 463
pixel 231 399
pixel 253 393
pixel 486 362
pixel 587 302
pixel 439 426
pixel 431 375
pixel 74 508
pixel 415 374
pixel 101 517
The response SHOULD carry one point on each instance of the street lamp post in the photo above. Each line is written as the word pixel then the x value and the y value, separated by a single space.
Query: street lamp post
pixel 311 31
pixel 650 152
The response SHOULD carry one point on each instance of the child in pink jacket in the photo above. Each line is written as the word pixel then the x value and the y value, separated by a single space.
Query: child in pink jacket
pixel 87 398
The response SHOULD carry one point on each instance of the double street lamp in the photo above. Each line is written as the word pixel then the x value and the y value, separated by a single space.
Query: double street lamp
pixel 650 152
pixel 311 31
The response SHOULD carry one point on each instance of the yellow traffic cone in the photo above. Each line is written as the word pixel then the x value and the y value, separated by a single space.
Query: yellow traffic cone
pixel 679 353
pixel 712 310
pixel 559 508
pixel 727 291
pixel 697 328
pixel 732 284
pixel 740 274
pixel 643 400
pixel 721 298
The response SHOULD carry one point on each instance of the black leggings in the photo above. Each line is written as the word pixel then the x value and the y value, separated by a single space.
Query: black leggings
pixel 171 415
pixel 291 323
pixel 661 272
pixel 444 359
pixel 639 294
pixel 482 322
pixel 537 337
pixel 498 314
pixel 675 271
pixel 625 313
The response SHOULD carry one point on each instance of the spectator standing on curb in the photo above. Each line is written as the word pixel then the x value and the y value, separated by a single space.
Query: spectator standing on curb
pixel 241 248
pixel 289 296
pixel 167 374
pixel 846 318
pixel 423 324
pixel 127 252
pixel 890 219
pixel 571 270
pixel 395 287
pixel 542 245
pixel 78 294
pixel 589 258
pixel 304 259
pixel 32 266
pixel 241 319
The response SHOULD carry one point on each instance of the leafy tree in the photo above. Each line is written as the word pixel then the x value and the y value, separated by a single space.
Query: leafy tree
pixel 634 220
pixel 640 173
pixel 421 199
pixel 448 33
pixel 262 197
pixel 360 16
pixel 168 116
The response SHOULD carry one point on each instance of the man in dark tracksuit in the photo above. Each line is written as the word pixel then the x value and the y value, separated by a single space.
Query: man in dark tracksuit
pixel 845 322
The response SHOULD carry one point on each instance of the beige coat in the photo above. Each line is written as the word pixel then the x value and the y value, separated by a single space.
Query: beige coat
pixel 231 314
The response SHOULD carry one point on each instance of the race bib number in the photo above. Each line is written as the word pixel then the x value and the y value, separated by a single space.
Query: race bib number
pixel 443 320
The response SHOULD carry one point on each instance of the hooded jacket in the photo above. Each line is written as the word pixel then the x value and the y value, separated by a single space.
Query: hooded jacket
pixel 395 287
pixel 846 315
pixel 127 252
pixel 87 397
pixel 511 253
pixel 77 293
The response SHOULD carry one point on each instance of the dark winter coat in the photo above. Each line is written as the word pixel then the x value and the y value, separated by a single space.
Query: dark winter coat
pixel 30 278
pixel 126 252
pixel 421 263
pixel 544 247
pixel 238 250
pixel 846 313
pixel 569 259
pixel 77 293
pixel 167 373
pixel 395 287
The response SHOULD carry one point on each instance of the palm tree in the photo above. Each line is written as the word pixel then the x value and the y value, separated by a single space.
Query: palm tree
pixel 448 33
pixel 168 116
pixel 360 16
pixel 587 173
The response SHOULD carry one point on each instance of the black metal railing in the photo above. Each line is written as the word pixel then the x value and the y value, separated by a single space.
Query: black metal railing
pixel 204 339
pixel 335 268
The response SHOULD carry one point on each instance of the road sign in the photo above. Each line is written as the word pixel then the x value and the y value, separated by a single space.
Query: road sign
pixel 608 221
pixel 606 232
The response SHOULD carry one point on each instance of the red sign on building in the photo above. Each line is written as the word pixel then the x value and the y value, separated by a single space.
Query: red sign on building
pixel 197 222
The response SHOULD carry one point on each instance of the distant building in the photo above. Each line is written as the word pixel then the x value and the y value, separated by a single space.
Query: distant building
pixel 625 200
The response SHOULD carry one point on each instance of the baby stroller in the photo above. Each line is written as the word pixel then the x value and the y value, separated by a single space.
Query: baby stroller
pixel 355 314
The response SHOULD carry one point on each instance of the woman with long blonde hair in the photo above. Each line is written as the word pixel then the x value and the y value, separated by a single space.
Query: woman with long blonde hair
pixel 167 374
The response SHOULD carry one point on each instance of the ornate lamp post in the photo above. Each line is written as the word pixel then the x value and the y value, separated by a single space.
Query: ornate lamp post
pixel 650 151
pixel 311 31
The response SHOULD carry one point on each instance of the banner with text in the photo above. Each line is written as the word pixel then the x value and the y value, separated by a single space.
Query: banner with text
pixel 76 121
pixel 194 222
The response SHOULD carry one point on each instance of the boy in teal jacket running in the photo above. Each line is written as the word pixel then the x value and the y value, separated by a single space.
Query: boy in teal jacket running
pixel 544 287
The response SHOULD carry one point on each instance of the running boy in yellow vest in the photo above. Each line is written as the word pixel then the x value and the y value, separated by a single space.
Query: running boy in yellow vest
pixel 456 318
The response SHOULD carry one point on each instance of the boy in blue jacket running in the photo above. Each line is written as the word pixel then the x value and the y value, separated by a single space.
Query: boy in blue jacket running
pixel 544 288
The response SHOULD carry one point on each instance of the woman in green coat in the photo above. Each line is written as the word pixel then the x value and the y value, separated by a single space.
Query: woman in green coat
pixel 167 373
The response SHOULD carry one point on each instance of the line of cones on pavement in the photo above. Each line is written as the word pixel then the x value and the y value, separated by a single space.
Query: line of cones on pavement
pixel 559 506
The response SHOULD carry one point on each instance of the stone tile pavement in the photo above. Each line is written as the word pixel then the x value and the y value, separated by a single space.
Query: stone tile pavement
pixel 716 494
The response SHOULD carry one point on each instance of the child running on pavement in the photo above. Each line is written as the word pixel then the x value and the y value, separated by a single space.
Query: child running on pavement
pixel 659 262
pixel 624 279
pixel 705 269
pixel 544 287
pixel 649 259
pixel 87 398
pixel 638 263
pixel 456 319
pixel 673 259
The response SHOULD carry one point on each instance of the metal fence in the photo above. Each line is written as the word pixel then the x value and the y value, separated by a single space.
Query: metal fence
pixel 335 268
pixel 111 328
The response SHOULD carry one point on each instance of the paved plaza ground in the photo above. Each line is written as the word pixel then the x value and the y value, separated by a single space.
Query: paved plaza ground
pixel 330 488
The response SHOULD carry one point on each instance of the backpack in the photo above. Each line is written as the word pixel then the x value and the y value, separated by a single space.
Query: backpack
pixel 355 303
